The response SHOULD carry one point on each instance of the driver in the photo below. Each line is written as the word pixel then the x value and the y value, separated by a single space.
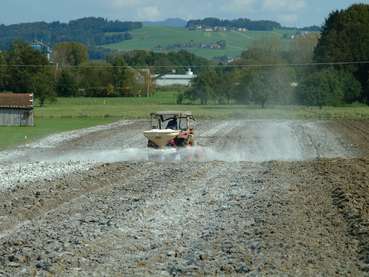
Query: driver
pixel 173 124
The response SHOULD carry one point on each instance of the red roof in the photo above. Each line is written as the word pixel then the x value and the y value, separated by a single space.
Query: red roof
pixel 16 100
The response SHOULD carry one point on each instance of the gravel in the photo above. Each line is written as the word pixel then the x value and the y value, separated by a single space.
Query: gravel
pixel 12 174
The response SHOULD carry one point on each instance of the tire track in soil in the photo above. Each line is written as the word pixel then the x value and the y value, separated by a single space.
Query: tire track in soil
pixel 84 218
pixel 189 219
pixel 303 233
pixel 350 195
pixel 24 203
pixel 354 132
pixel 187 225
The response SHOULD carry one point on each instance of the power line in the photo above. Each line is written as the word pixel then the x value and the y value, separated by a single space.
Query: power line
pixel 192 66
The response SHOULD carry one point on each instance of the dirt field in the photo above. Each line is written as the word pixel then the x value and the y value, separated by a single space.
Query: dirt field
pixel 261 197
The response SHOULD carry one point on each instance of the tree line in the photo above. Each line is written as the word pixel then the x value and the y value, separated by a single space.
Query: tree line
pixel 91 31
pixel 24 69
pixel 270 73
pixel 258 25
pixel 252 25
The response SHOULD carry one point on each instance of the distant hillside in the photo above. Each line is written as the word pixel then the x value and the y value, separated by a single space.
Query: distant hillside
pixel 252 25
pixel 210 38
pixel 224 43
pixel 313 28
pixel 90 31
pixel 170 22
pixel 258 25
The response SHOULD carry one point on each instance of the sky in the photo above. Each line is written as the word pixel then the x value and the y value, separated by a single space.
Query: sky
pixel 288 12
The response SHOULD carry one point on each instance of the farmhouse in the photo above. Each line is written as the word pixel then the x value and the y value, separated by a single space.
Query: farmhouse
pixel 43 48
pixel 16 109
pixel 175 79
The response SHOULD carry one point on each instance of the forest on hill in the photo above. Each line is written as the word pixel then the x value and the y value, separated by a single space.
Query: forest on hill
pixel 252 25
pixel 91 31
pixel 259 25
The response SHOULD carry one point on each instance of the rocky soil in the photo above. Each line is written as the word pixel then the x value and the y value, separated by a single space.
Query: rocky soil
pixel 287 198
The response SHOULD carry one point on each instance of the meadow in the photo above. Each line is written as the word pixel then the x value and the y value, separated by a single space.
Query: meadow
pixel 149 37
pixel 75 113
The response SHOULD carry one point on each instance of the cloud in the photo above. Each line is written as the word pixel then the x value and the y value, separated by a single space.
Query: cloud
pixel 125 3
pixel 149 13
pixel 239 6
pixel 284 5
pixel 289 19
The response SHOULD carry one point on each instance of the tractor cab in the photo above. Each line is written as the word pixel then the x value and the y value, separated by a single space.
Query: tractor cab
pixel 171 120
pixel 170 129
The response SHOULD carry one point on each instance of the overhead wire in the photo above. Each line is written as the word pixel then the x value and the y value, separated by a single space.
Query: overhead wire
pixel 270 65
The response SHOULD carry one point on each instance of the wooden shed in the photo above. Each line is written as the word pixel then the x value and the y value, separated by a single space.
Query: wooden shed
pixel 16 109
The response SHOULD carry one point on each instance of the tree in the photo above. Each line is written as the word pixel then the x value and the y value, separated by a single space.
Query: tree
pixel 66 84
pixel 351 87
pixel 43 87
pixel 94 78
pixel 302 48
pixel 123 77
pixel 23 63
pixel 70 54
pixel 2 72
pixel 239 86
pixel 264 83
pixel 345 37
pixel 259 88
pixel 328 87
pixel 203 87
pixel 160 63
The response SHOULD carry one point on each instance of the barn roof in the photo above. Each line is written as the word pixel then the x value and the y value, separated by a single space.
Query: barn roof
pixel 16 100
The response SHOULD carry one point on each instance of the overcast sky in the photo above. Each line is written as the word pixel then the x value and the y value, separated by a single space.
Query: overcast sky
pixel 287 12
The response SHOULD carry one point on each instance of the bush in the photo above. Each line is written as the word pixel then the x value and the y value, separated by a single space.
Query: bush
pixel 180 98
pixel 328 87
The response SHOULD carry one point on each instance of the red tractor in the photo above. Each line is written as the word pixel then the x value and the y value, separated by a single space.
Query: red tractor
pixel 170 129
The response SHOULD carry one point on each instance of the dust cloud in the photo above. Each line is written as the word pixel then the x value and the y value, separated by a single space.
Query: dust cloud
pixel 234 141
pixel 228 141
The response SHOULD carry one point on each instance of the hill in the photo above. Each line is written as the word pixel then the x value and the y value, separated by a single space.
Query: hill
pixel 170 22
pixel 90 31
pixel 199 42
pixel 258 25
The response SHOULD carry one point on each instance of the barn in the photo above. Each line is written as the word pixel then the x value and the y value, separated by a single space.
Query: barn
pixel 16 109
pixel 175 79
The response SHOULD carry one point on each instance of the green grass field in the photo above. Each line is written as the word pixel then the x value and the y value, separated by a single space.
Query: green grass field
pixel 141 107
pixel 12 136
pixel 75 113
pixel 150 37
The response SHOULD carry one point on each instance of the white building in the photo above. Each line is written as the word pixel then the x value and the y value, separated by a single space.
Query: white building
pixel 43 48
pixel 175 79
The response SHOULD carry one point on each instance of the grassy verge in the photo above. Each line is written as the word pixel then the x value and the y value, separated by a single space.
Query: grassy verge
pixel 12 136
pixel 140 108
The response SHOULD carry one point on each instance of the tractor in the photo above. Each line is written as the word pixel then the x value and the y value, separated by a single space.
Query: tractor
pixel 170 130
